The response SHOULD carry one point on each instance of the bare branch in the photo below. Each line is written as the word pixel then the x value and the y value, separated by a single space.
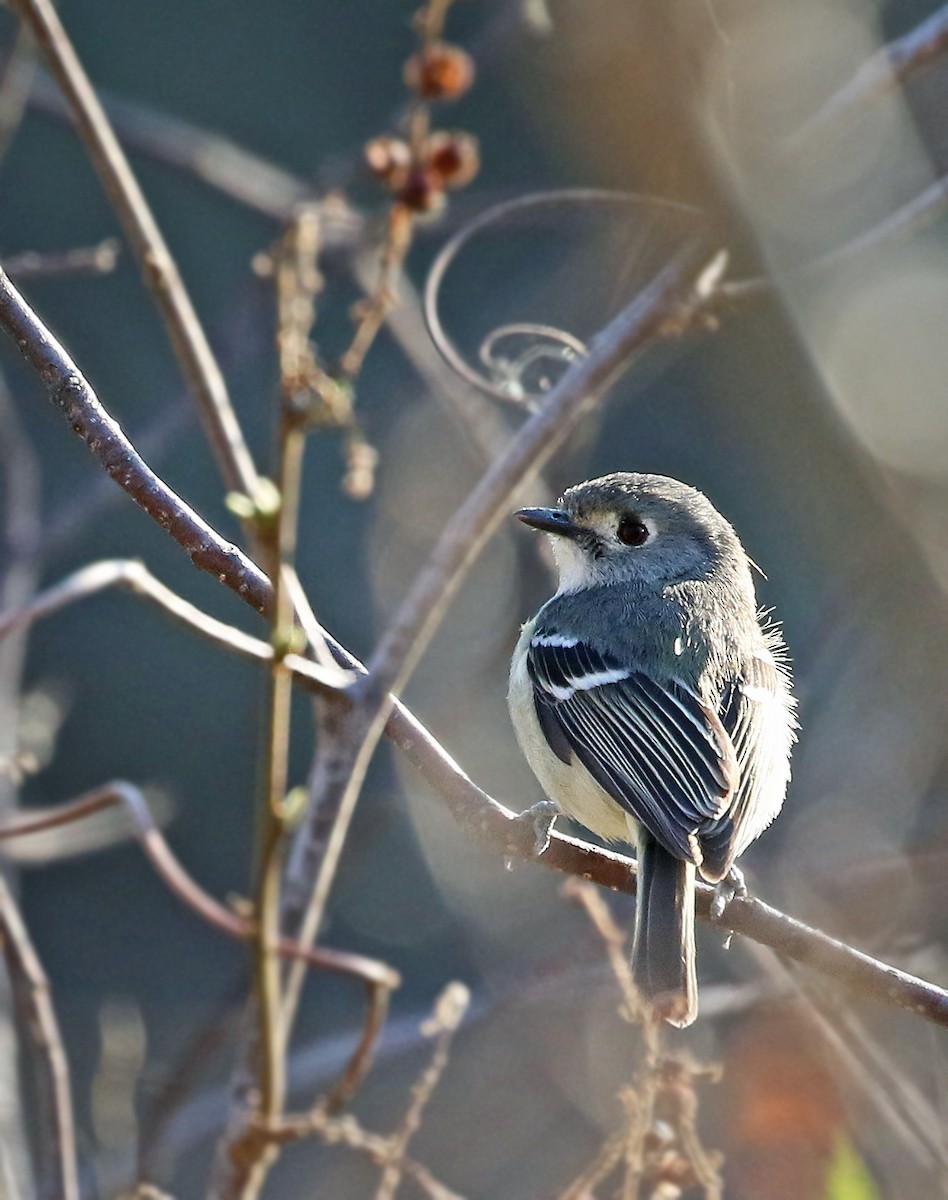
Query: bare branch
pixel 498 827
pixel 134 575
pixel 31 988
pixel 158 267
pixel 180 883
pixel 79 404
pixel 889 67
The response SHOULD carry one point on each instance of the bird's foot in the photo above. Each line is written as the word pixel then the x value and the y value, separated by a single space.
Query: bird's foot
pixel 537 820
pixel 731 885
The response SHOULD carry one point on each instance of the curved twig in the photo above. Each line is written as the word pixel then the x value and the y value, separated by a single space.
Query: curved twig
pixel 180 883
pixel 450 250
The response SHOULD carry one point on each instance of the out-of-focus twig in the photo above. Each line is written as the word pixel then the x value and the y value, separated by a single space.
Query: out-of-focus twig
pixel 180 883
pixel 900 1108
pixel 880 74
pixel 17 79
pixel 346 1131
pixel 79 404
pixel 922 210
pixel 450 1008
pixel 159 269
pixel 216 161
pixel 84 260
pixel 659 1144
pixel 57 1147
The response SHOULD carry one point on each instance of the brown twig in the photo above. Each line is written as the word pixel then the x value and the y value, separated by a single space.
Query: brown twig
pixel 346 1131
pixel 159 269
pixel 450 1008
pixel 79 404
pixel 84 260
pixel 180 883
pixel 57 1149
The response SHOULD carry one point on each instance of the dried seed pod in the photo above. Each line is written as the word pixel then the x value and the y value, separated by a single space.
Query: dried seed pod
pixel 422 191
pixel 454 157
pixel 439 72
pixel 388 158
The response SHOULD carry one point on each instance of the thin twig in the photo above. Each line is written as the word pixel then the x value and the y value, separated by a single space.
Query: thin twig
pixel 180 883
pixel 18 74
pixel 159 269
pixel 920 211
pixel 79 404
pixel 346 1131
pixel 57 1149
pixel 216 161
pixel 450 1008
pixel 880 74
pixel 84 260
pixel 135 576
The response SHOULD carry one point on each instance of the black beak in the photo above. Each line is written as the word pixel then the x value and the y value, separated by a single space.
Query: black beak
pixel 550 520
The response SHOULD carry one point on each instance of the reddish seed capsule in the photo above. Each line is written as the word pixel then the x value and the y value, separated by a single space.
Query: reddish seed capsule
pixel 423 191
pixel 439 72
pixel 454 157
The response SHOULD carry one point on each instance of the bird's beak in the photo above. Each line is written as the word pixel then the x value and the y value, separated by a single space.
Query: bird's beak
pixel 550 520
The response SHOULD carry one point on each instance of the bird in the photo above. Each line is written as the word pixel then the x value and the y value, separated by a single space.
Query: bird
pixel 653 700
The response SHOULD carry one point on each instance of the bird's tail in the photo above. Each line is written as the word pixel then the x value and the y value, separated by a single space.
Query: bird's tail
pixel 663 952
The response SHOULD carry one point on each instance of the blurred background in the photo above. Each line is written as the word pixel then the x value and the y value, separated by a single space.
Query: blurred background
pixel 814 417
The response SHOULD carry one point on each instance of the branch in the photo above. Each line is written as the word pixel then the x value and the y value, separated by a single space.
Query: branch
pixel 79 404
pixel 57 1151
pixel 180 883
pixel 883 72
pixel 669 306
pixel 498 827
pixel 158 267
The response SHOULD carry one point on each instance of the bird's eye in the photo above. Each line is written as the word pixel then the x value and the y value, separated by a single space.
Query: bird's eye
pixel 632 532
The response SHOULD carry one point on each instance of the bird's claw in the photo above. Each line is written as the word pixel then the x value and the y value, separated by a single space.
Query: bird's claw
pixel 731 885
pixel 538 819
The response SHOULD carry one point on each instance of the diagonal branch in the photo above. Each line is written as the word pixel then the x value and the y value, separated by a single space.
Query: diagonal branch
pixel 672 304
pixel 79 404
pixel 158 267
pixel 880 74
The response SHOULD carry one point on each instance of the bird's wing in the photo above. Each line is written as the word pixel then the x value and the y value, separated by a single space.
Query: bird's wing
pixel 655 748
pixel 758 716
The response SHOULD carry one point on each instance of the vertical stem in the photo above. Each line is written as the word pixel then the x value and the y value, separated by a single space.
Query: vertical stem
pixel 280 547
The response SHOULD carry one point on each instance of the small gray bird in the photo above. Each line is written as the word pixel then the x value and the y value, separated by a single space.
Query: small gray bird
pixel 653 703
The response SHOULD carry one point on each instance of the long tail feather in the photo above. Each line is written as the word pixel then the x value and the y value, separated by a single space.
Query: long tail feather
pixel 663 952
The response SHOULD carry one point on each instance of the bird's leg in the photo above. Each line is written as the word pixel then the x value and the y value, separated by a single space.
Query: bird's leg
pixel 537 820
pixel 730 886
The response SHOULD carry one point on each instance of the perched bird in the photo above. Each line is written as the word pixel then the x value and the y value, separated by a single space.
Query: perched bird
pixel 654 703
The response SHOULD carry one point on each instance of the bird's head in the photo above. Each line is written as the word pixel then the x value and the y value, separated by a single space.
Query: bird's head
pixel 636 529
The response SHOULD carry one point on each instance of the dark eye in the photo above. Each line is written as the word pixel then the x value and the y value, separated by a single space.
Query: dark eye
pixel 632 532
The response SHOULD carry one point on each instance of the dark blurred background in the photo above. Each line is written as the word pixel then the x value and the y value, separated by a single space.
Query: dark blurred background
pixel 814 418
